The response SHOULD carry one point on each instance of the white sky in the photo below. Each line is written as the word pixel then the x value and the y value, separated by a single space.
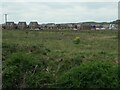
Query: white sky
pixel 52 11
pixel 59 0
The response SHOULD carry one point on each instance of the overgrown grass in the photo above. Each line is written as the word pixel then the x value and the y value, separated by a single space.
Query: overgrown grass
pixel 93 74
pixel 45 56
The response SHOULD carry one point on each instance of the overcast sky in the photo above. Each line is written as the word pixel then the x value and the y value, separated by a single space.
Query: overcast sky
pixel 59 12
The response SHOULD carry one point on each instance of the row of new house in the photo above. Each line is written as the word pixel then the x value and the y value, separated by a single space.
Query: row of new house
pixel 74 26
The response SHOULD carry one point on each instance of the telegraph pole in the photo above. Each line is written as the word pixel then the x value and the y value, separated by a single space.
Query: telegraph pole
pixel 6 18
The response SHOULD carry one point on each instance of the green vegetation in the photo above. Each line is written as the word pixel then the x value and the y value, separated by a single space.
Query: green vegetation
pixel 93 74
pixel 45 59
pixel 77 40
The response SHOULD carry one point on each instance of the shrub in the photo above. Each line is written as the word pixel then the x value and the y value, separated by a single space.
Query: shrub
pixel 92 74
pixel 76 40
pixel 16 67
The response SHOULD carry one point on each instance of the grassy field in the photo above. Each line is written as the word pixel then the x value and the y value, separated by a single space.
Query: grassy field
pixel 43 58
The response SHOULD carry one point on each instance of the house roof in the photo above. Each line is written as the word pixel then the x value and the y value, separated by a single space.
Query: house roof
pixel 9 22
pixel 21 22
